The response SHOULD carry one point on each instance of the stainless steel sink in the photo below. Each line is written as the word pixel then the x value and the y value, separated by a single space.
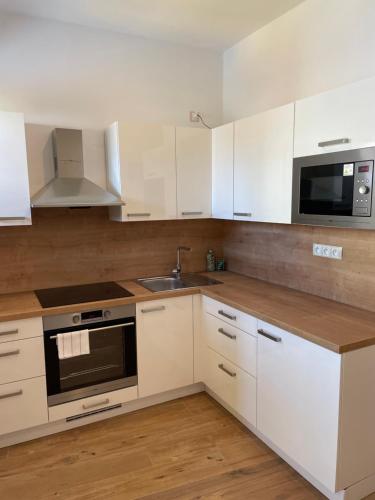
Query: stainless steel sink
pixel 166 283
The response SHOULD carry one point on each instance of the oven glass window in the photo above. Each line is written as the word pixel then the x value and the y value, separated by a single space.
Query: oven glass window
pixel 326 190
pixel 106 361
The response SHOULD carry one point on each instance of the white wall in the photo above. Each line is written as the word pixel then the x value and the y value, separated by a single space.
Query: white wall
pixel 320 44
pixel 68 75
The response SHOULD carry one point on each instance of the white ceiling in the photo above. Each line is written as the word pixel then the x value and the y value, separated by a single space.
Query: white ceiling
pixel 216 24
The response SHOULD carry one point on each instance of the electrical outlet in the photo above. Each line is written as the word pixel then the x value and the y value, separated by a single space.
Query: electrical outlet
pixel 194 116
pixel 327 251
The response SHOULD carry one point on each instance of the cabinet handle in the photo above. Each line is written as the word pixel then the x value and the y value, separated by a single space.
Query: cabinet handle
pixel 192 213
pixel 242 214
pixel 229 335
pixel 333 142
pixel 9 353
pixel 141 214
pixel 9 332
pixel 13 218
pixel 153 309
pixel 269 336
pixel 228 372
pixel 11 394
pixel 94 405
pixel 227 315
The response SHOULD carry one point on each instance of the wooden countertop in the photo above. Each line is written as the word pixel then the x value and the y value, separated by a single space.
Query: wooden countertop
pixel 335 326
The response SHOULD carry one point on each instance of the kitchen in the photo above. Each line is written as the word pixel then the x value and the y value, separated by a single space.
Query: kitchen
pixel 129 366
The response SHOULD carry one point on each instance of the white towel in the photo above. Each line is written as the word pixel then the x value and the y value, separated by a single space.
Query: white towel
pixel 73 344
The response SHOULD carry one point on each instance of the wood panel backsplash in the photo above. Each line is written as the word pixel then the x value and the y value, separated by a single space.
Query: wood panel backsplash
pixel 65 246
pixel 282 254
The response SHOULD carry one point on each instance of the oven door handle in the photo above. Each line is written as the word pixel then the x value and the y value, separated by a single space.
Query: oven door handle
pixel 131 323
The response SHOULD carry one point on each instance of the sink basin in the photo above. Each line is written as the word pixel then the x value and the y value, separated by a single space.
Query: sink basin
pixel 166 283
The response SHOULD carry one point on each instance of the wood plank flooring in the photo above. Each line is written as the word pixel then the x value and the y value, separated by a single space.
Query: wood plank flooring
pixel 190 448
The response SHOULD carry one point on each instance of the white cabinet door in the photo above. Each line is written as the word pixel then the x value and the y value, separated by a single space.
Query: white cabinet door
pixel 164 344
pixel 193 159
pixel 263 162
pixel 222 172
pixel 141 168
pixel 14 178
pixel 345 114
pixel 298 400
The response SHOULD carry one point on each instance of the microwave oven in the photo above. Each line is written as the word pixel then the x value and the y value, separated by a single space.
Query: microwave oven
pixel 334 189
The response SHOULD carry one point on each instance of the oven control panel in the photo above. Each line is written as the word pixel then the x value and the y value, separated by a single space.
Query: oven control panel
pixel 362 188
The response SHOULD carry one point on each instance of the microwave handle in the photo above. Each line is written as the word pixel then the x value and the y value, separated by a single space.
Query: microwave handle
pixel 333 142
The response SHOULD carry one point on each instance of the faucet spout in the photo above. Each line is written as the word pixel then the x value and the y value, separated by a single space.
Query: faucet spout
pixel 178 269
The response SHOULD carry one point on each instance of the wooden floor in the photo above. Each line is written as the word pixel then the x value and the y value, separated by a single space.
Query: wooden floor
pixel 189 448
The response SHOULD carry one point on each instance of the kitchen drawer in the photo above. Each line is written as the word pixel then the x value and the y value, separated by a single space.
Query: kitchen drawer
pixel 23 404
pixel 230 315
pixel 232 343
pixel 87 405
pixel 21 329
pixel 21 359
pixel 234 386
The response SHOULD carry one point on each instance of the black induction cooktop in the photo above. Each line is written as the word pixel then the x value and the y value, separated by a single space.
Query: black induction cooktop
pixel 67 295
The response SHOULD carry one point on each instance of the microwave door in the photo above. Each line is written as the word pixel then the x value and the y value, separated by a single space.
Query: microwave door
pixel 327 190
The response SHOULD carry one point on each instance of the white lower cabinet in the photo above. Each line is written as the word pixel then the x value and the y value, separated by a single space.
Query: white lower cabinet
pixel 23 404
pixel 164 345
pixel 233 385
pixel 298 400
pixel 21 359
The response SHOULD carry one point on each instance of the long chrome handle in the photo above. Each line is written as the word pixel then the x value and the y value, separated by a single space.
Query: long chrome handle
pixel 228 372
pixel 333 142
pixel 153 309
pixel 141 214
pixel 13 218
pixel 229 335
pixel 11 394
pixel 192 213
pixel 275 338
pixel 9 353
pixel 242 214
pixel 102 328
pixel 94 405
pixel 9 332
pixel 227 315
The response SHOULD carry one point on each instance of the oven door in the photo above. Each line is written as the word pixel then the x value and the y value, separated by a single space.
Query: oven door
pixel 325 189
pixel 111 364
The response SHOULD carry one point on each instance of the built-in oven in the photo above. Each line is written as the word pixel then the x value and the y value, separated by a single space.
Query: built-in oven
pixel 110 361
pixel 334 189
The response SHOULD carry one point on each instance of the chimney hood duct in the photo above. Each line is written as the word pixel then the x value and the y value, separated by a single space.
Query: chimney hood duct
pixel 69 187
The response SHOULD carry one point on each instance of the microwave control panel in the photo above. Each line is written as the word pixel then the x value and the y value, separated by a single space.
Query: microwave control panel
pixel 362 188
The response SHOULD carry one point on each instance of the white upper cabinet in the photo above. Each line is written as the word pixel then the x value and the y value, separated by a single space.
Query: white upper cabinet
pixel 222 172
pixel 141 170
pixel 336 120
pixel 193 156
pixel 14 179
pixel 263 162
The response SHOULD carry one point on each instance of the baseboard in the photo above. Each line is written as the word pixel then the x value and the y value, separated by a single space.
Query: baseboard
pixel 63 425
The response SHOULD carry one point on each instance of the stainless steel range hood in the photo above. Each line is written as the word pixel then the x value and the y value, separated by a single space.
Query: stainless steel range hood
pixel 70 188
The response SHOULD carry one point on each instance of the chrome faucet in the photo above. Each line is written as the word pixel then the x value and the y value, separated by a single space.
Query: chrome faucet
pixel 177 271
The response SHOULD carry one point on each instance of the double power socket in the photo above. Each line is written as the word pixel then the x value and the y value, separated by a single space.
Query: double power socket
pixel 328 251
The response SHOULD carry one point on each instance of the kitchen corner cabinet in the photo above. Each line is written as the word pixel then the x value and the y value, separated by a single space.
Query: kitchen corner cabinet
pixel 222 171
pixel 164 345
pixel 193 160
pixel 323 121
pixel 141 170
pixel 263 161
pixel 14 179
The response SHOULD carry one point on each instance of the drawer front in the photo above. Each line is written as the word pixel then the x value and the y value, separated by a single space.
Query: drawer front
pixel 23 405
pixel 230 315
pixel 21 329
pixel 232 343
pixel 88 405
pixel 21 360
pixel 234 386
